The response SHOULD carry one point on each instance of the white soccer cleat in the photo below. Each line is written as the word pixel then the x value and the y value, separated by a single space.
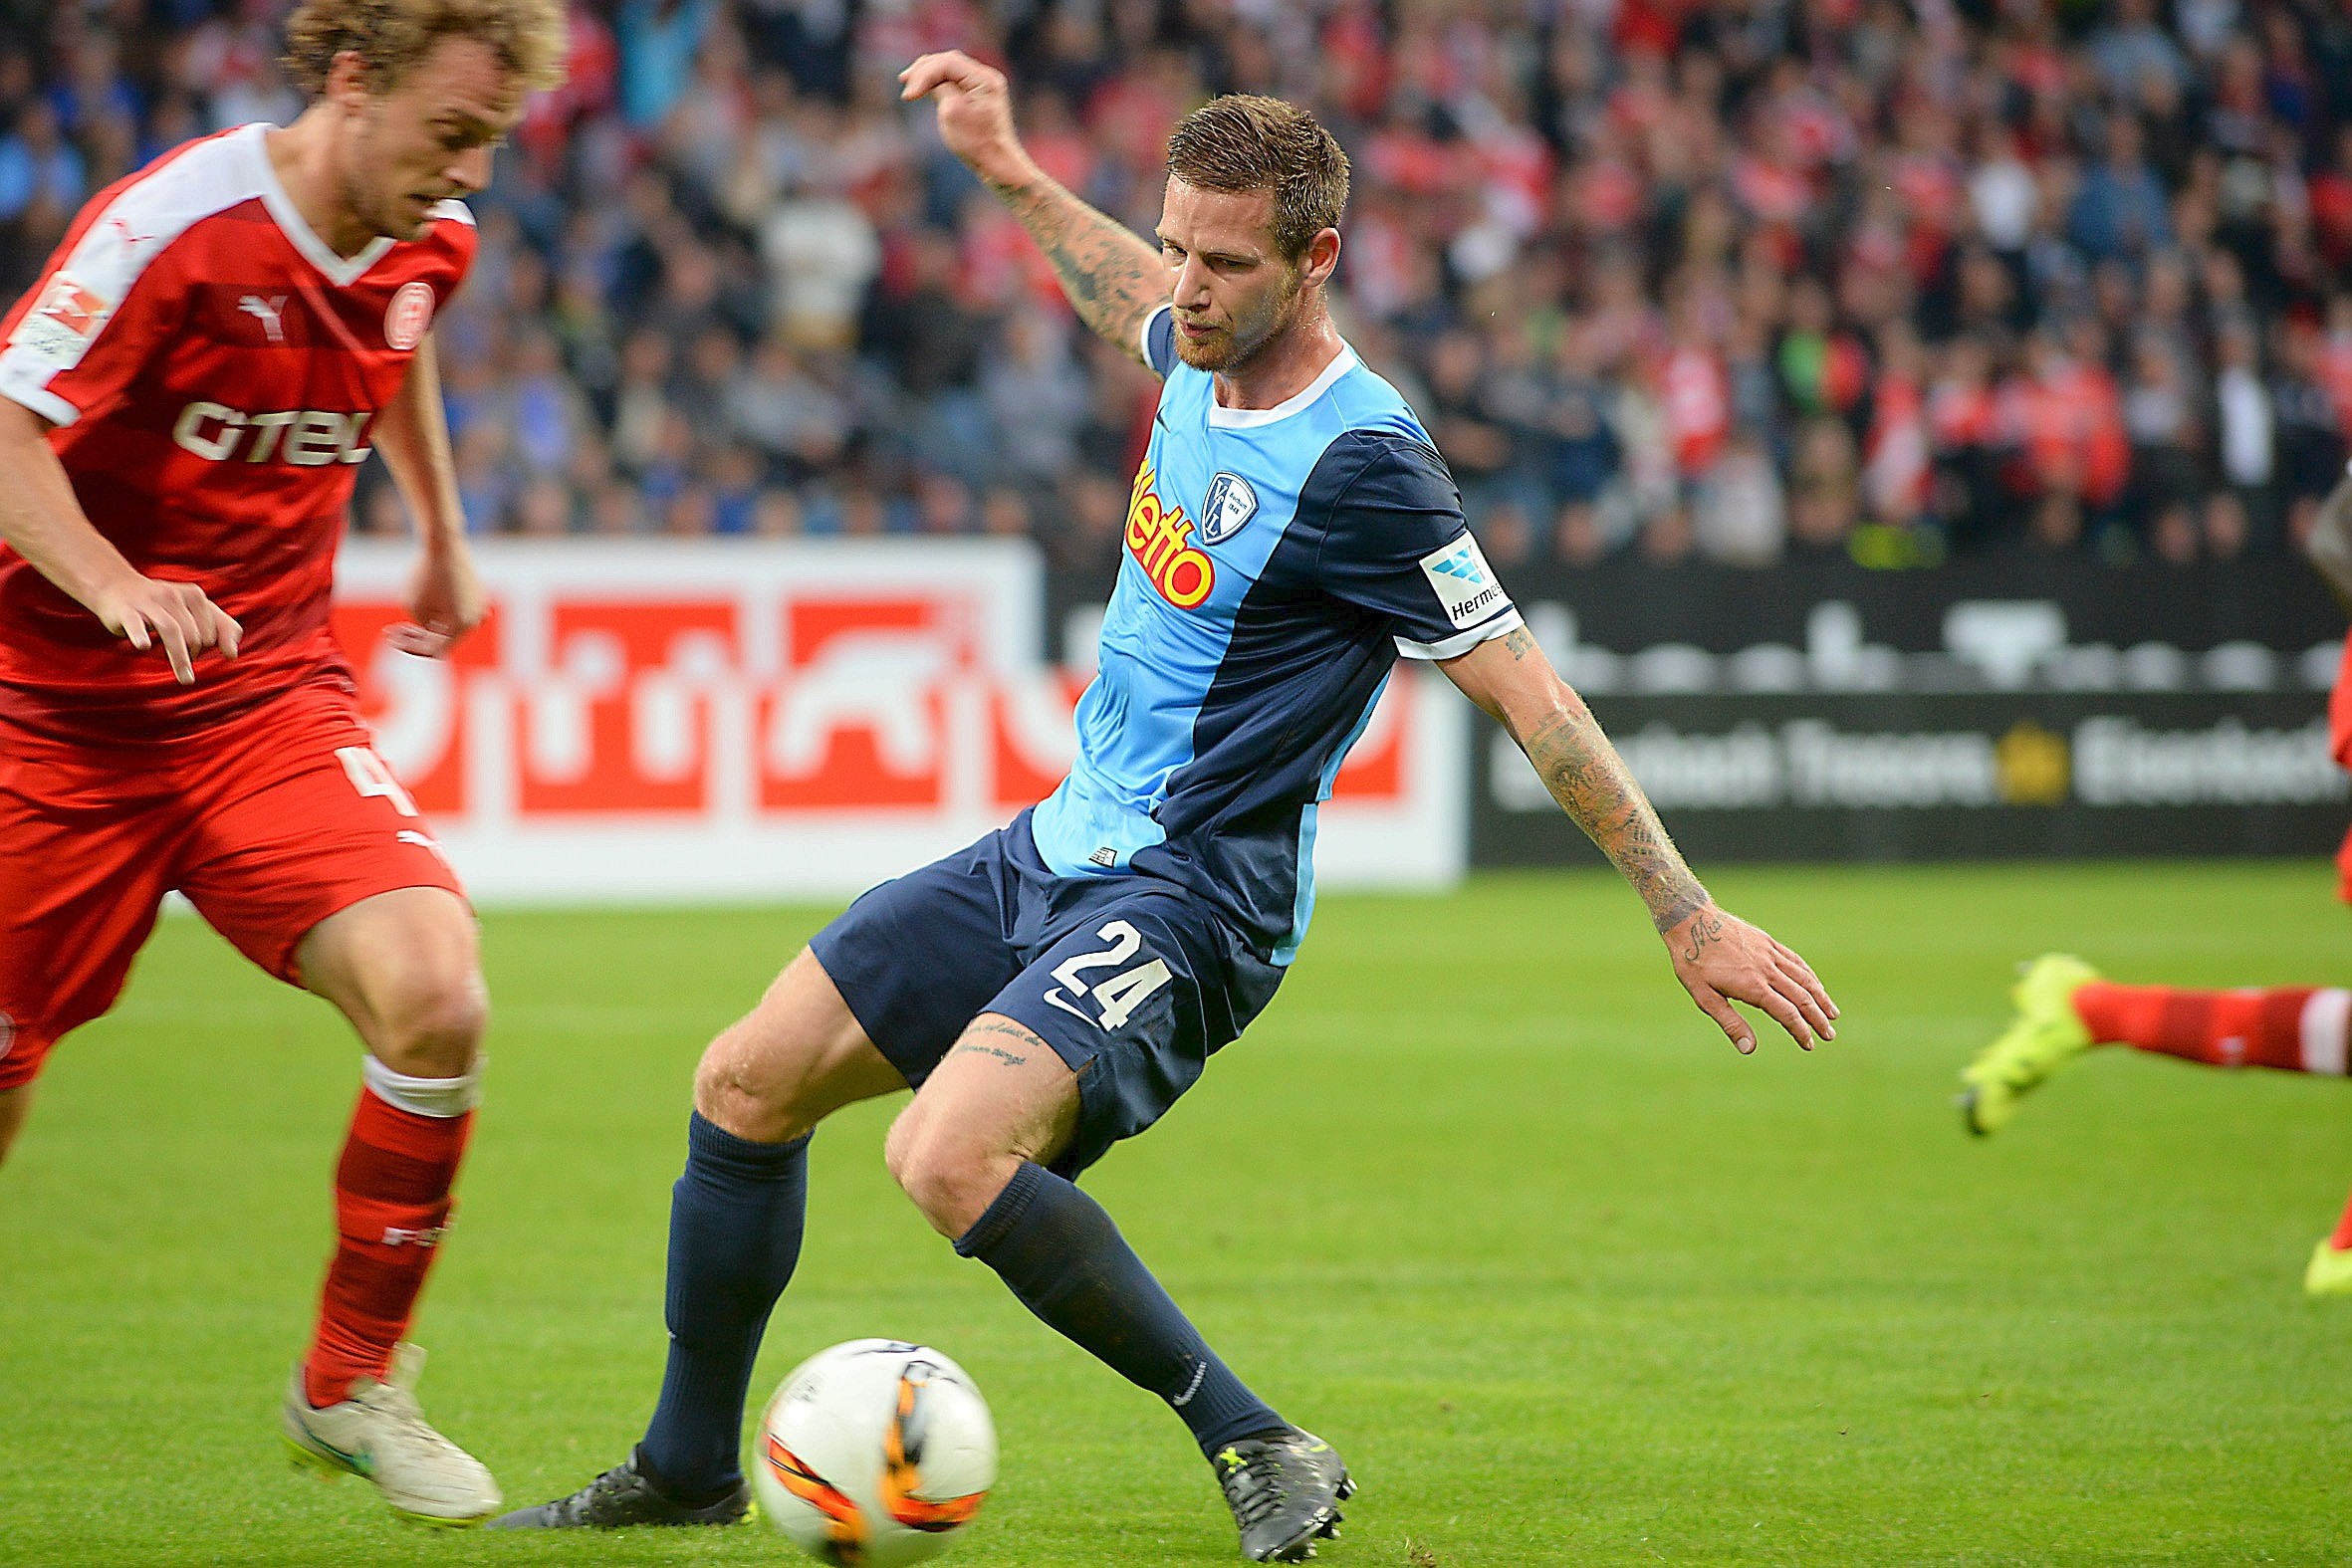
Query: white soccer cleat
pixel 379 1432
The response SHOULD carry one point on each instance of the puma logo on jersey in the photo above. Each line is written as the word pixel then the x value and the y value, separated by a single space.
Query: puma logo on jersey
pixel 305 437
pixel 271 312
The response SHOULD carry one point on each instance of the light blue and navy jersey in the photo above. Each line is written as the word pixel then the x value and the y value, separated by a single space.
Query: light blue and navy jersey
pixel 1278 561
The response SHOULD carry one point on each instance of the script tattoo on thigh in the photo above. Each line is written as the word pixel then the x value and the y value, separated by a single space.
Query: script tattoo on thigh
pixel 1010 1031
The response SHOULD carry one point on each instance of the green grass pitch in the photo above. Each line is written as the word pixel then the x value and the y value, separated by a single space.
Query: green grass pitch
pixel 1481 1200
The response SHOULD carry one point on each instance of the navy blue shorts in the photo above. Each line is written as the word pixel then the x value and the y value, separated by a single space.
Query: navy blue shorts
pixel 1133 980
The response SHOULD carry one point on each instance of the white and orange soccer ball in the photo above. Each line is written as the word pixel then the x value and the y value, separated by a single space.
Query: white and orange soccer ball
pixel 874 1454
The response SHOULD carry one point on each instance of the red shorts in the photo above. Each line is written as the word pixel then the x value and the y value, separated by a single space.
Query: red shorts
pixel 269 821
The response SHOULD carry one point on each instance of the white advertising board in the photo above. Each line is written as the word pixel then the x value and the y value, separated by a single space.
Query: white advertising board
pixel 673 721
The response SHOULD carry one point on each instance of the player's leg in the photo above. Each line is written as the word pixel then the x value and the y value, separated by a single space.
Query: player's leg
pixel 973 1151
pixel 2065 1007
pixel 402 966
pixel 2289 1028
pixel 914 958
pixel 313 861
pixel 737 1212
pixel 1092 1043
pixel 85 847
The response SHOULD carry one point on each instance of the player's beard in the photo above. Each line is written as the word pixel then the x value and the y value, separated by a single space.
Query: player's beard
pixel 364 197
pixel 1239 343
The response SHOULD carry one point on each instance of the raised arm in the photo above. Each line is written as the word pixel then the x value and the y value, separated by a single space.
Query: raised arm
pixel 2331 546
pixel 412 434
pixel 1114 278
pixel 1718 957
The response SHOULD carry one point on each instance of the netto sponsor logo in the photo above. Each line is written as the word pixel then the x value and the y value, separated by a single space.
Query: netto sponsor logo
pixel 303 437
pixel 1159 537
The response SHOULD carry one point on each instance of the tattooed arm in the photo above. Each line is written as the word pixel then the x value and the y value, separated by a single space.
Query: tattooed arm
pixel 1113 277
pixel 1718 957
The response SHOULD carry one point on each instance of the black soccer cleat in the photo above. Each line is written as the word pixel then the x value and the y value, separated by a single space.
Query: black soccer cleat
pixel 1285 1490
pixel 621 1498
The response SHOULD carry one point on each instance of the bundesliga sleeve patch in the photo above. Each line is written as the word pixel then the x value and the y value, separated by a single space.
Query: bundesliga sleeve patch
pixel 1464 585
pixel 58 330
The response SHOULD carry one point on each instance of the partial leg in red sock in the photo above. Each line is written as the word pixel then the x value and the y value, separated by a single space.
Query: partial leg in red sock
pixel 2291 1028
pixel 391 1200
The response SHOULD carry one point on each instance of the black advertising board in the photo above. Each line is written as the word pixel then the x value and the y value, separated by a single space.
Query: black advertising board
pixel 1986 708
pixel 1946 775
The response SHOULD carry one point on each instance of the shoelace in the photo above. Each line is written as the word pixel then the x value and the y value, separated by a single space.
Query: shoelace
pixel 1254 1490
pixel 407 1416
pixel 615 1482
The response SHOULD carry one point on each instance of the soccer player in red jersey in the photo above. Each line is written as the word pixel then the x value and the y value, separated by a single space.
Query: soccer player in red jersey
pixel 185 395
pixel 2065 1007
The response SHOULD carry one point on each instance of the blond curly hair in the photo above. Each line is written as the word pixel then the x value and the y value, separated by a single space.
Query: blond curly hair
pixel 391 35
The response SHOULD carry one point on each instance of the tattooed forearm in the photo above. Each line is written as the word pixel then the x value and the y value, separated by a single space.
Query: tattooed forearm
pixel 1592 785
pixel 1113 277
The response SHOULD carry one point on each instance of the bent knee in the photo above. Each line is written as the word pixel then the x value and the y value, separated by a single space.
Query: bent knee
pixel 950 1178
pixel 749 1087
pixel 431 1022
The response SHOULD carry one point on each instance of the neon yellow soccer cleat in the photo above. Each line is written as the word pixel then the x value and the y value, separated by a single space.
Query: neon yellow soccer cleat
pixel 2043 1037
pixel 2330 1273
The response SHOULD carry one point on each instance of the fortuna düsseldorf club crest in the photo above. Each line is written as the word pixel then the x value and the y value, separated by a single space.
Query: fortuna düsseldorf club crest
pixel 409 314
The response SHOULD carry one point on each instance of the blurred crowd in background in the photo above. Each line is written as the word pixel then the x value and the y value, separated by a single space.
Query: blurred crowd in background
pixel 1721 280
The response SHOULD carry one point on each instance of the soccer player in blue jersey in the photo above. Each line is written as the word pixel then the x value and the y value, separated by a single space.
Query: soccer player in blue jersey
pixel 1054 988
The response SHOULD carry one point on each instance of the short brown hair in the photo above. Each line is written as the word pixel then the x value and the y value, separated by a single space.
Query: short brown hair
pixel 1240 143
pixel 391 35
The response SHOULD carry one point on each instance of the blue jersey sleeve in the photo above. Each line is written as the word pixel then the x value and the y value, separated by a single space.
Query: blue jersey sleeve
pixel 1159 340
pixel 1394 543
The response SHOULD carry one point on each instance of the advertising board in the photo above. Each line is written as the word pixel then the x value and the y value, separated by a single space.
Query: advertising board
pixel 1927 776
pixel 682 720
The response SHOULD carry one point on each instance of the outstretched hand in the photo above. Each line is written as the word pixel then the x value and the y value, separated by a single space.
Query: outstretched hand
pixel 1720 959
pixel 975 112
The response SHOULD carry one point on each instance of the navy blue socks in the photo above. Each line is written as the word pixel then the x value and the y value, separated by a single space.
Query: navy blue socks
pixel 1066 1261
pixel 735 1233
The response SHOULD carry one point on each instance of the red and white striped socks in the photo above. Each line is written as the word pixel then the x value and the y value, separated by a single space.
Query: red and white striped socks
pixel 391 1200
pixel 2297 1028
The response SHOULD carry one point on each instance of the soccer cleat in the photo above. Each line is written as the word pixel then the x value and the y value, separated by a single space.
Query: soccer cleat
pixel 622 1496
pixel 2043 1037
pixel 2330 1273
pixel 1284 1491
pixel 379 1432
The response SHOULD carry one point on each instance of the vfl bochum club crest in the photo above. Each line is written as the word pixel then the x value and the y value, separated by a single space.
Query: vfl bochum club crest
pixel 1231 504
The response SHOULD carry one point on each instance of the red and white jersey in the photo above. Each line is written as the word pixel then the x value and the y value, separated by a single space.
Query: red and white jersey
pixel 214 371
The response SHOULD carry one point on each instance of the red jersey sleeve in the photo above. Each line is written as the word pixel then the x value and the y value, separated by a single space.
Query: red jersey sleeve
pixel 109 299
